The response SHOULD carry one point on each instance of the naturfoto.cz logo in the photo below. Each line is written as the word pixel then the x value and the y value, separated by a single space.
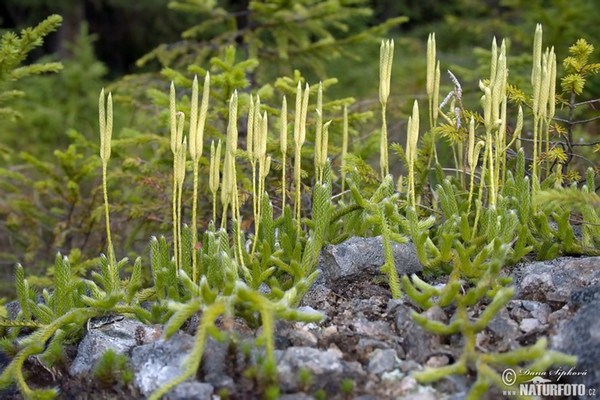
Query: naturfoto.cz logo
pixel 537 383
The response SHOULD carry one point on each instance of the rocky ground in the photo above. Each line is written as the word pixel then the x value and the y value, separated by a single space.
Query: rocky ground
pixel 367 345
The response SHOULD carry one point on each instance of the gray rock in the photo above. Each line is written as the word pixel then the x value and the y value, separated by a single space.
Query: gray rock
pixel 296 396
pixel 581 337
pixel 360 255
pixel 13 308
pixel 191 391
pixel 371 329
pixel 119 336
pixel 554 281
pixel 302 337
pixel 521 309
pixel 327 368
pixel 587 295
pixel 382 361
pixel 502 325
pixel 213 365
pixel 366 346
pixel 529 324
pixel 159 363
pixel 317 296
pixel 417 342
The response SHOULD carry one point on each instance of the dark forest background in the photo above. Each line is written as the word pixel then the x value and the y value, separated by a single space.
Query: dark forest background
pixel 126 30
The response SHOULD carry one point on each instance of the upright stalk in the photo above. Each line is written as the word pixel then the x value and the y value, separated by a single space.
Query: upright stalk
pixel 386 57
pixel 215 164
pixel 299 138
pixel 283 148
pixel 344 147
pixel 411 152
pixel 177 119
pixel 433 88
pixel 197 121
pixel 106 127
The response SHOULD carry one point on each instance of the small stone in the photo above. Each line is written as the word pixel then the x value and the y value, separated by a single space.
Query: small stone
pixel 119 336
pixel 537 286
pixel 296 396
pixel 408 366
pixel 529 324
pixel 408 384
pixel 502 326
pixel 416 340
pixel 327 368
pixel 329 331
pixel 366 346
pixel 365 397
pixel 381 361
pixel 160 362
pixel 190 391
pixel 436 313
pixel 303 337
pixel 392 305
pixel 359 255
pixel 393 376
pixel 371 328
pixel 335 350
pixel 213 364
pixel 559 315
pixel 438 361
pixel 424 395
pixel 263 288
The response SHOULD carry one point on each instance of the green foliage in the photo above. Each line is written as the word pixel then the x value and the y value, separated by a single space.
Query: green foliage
pixel 49 197
pixel 113 368
pixel 347 386
pixel 52 105
pixel 491 292
pixel 14 50
pixel 306 31
pixel 50 205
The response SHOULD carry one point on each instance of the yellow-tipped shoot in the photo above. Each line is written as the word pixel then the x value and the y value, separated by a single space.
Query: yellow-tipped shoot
pixel 386 57
pixel 283 147
pixel 411 151
pixel 106 127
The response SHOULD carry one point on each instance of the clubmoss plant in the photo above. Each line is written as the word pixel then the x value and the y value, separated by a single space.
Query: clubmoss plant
pixel 344 151
pixel 467 231
pixel 283 133
pixel 106 127
pixel 197 122
pixel 113 368
pixel 61 314
pixel 386 58
pixel 214 176
pixel 543 79
pixel 299 138
pixel 320 394
pixel 412 138
pixel 485 267
pixel 347 387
